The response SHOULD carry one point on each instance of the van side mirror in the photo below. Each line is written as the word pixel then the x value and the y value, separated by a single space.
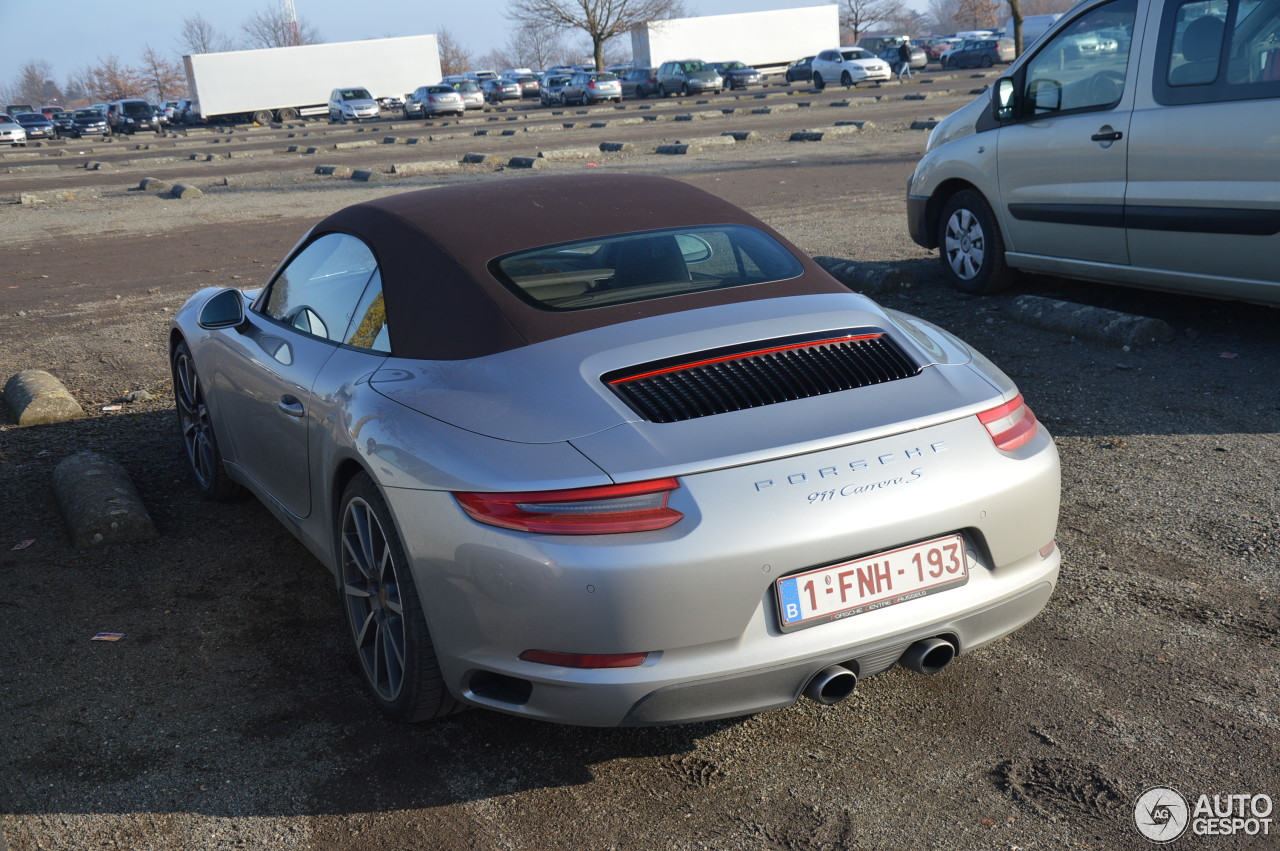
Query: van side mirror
pixel 1046 95
pixel 1004 101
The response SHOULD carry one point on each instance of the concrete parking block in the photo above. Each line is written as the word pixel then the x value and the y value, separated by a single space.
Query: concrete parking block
pixel 1095 323
pixel 526 162
pixel 38 398
pixel 185 191
pixel 365 175
pixel 98 502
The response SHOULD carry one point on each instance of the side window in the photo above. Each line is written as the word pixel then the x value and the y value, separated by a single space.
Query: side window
pixel 1083 66
pixel 1219 50
pixel 320 290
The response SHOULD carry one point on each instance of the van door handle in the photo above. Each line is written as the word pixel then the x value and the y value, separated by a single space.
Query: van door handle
pixel 1113 136
pixel 291 406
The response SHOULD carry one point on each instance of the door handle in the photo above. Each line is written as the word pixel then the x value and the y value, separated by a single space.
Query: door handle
pixel 291 406
pixel 1113 136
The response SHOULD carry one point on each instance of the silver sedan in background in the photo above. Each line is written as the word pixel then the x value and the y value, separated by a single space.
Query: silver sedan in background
pixel 621 456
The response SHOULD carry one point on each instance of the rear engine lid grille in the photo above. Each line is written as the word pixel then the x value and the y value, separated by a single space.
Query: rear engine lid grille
pixel 761 373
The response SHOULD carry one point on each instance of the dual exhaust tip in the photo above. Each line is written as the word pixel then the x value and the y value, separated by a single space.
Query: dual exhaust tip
pixel 836 682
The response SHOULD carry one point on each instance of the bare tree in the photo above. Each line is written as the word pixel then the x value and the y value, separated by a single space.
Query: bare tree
pixel 600 20
pixel 111 80
pixel 454 58
pixel 270 28
pixel 535 46
pixel 978 14
pixel 162 76
pixel 858 16
pixel 35 84
pixel 944 14
pixel 199 36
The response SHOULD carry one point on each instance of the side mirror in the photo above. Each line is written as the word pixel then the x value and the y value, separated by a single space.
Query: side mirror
pixel 224 309
pixel 1005 100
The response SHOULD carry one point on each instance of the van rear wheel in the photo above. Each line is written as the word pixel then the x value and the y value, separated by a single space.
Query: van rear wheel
pixel 971 247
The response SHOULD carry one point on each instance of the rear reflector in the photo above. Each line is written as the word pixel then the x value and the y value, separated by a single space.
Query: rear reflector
pixel 603 510
pixel 1011 424
pixel 585 660
pixel 1047 549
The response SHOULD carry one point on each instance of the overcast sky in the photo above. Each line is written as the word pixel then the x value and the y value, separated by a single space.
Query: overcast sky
pixel 73 35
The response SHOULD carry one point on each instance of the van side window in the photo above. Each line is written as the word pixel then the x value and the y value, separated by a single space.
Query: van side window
pixel 1083 67
pixel 1218 50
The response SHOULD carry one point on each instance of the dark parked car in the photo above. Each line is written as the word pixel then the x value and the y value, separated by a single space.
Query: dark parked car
pixel 36 125
pixel 552 91
pixel 981 53
pixel 737 75
pixel 592 87
pixel 130 115
pixel 497 90
pixel 639 83
pixel 89 122
pixel 800 71
pixel 63 123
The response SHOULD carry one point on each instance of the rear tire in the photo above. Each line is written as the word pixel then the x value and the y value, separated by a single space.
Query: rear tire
pixel 383 611
pixel 818 82
pixel 986 62
pixel 971 247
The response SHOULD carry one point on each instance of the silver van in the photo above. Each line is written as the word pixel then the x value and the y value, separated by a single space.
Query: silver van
pixel 1134 143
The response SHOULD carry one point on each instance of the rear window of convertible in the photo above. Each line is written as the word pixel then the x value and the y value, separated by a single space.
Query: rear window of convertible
pixel 640 266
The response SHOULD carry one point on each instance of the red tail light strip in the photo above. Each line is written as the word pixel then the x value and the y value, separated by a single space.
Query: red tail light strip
pixel 745 355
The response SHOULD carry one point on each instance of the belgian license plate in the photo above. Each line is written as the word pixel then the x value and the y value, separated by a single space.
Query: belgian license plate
pixel 872 582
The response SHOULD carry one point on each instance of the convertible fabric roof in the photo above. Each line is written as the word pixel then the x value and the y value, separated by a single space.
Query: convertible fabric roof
pixel 434 247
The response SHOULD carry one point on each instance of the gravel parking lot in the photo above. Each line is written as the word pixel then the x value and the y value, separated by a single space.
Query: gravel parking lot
pixel 230 714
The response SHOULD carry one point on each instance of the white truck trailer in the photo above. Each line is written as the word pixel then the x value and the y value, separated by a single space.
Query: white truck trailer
pixel 764 40
pixel 283 83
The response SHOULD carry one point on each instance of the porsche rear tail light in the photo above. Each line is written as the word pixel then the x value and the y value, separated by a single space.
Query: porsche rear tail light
pixel 602 510
pixel 585 660
pixel 1010 425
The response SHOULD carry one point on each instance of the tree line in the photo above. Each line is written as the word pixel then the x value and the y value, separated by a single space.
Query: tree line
pixel 550 32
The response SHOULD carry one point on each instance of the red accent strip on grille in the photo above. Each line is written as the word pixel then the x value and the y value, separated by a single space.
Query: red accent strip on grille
pixel 743 355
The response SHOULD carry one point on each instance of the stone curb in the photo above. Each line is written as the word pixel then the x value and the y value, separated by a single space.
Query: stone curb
pixel 1095 323
pixel 37 398
pixel 98 502
pixel 867 277
pixel 185 191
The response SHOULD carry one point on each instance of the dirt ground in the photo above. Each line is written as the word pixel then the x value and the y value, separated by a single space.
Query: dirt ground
pixel 231 714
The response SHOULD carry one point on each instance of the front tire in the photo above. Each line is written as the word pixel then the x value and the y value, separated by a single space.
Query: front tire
pixel 195 427
pixel 383 610
pixel 846 80
pixel 971 247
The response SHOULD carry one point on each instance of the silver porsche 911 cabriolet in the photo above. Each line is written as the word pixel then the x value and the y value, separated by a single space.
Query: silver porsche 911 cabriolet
pixel 608 450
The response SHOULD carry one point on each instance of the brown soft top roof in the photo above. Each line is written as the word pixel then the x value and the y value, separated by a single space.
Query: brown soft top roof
pixel 434 247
